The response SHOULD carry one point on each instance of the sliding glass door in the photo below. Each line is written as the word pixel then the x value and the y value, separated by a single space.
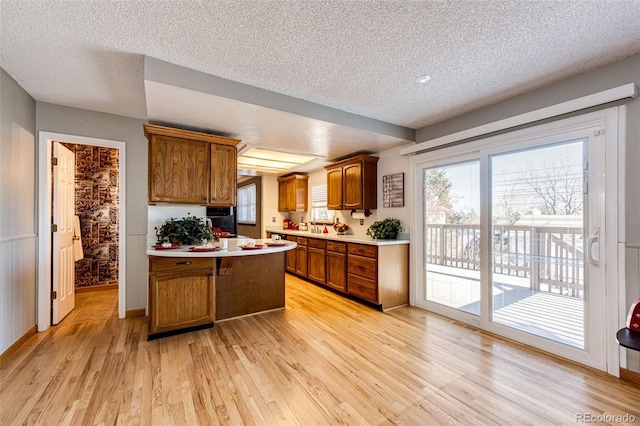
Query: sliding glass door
pixel 510 236
pixel 452 235
pixel 537 252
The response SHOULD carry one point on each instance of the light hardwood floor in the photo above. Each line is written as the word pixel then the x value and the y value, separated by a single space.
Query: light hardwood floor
pixel 323 360
pixel 93 305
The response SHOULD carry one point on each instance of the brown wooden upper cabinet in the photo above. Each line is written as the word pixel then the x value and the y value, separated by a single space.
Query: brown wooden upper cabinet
pixel 189 167
pixel 292 193
pixel 352 183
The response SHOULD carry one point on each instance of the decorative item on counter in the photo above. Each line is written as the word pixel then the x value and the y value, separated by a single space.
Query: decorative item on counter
pixel 386 229
pixel 341 228
pixel 285 223
pixel 188 230
pixel 219 233
pixel 303 226
pixel 325 230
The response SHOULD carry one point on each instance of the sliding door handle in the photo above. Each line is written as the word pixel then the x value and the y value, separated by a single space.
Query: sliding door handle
pixel 593 240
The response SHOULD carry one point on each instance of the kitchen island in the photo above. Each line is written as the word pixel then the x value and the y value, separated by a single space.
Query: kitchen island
pixel 190 289
pixel 373 271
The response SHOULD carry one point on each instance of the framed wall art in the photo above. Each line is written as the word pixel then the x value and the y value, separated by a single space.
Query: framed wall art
pixel 393 190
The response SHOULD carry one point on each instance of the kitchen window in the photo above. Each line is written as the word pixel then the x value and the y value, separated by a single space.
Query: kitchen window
pixel 319 212
pixel 247 205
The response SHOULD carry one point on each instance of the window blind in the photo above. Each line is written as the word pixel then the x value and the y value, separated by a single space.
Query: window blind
pixel 319 196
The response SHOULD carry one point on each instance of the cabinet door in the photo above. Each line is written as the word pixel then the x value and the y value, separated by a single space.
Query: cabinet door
pixel 178 170
pixel 317 260
pixel 337 271
pixel 291 195
pixel 291 257
pixel 334 189
pixel 180 300
pixel 352 186
pixel 223 175
pixel 301 261
pixel 363 288
pixel 282 197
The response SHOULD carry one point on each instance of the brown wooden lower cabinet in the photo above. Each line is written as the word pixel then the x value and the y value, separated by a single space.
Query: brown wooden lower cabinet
pixel 337 266
pixel 316 260
pixel 378 274
pixel 291 256
pixel 181 293
pixel 301 257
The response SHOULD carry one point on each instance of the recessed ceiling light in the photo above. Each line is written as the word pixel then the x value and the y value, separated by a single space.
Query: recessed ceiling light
pixel 268 161
pixel 423 79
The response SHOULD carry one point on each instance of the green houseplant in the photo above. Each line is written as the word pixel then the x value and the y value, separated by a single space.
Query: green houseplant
pixel 188 230
pixel 385 229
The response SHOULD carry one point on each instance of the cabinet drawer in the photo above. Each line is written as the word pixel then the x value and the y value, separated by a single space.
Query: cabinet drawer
pixel 363 250
pixel 336 247
pixel 316 243
pixel 179 264
pixel 302 241
pixel 363 288
pixel 362 266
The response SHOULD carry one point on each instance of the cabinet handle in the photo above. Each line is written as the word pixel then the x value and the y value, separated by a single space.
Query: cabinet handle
pixel 183 263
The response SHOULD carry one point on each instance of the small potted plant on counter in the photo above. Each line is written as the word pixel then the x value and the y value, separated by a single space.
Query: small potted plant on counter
pixel 386 229
pixel 188 230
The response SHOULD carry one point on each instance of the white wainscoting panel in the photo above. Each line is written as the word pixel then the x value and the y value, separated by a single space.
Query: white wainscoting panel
pixel 17 288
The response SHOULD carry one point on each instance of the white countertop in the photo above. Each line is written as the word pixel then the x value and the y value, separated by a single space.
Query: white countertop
pixel 232 250
pixel 334 237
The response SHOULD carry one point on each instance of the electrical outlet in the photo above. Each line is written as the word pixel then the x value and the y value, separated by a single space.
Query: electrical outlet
pixel 273 219
pixel 361 221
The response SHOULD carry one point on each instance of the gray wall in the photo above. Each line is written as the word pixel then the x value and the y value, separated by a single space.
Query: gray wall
pixel 613 75
pixel 78 122
pixel 17 212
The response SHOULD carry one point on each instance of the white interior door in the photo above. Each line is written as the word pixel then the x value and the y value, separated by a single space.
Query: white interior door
pixel 63 212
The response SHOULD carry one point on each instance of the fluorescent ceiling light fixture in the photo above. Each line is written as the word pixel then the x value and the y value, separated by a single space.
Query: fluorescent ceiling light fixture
pixel 264 160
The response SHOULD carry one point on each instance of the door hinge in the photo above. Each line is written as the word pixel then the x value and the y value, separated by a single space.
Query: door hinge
pixel 54 227
pixel 54 295
pixel 598 132
pixel 54 161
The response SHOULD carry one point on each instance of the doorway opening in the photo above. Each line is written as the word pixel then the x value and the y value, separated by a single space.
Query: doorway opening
pixel 101 203
pixel 96 208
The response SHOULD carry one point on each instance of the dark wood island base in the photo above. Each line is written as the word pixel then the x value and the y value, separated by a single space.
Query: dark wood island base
pixel 249 284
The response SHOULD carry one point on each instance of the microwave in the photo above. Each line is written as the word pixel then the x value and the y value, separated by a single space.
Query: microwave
pixel 223 218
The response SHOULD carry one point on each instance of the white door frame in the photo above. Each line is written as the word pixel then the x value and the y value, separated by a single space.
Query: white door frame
pixel 43 316
pixel 613 120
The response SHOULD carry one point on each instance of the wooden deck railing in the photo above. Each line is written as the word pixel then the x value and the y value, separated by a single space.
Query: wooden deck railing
pixel 551 257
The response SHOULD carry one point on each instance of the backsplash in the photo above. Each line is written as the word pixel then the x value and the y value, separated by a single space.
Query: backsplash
pixel 97 199
pixel 158 214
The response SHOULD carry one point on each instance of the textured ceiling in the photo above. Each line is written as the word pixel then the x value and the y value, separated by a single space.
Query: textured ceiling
pixel 361 57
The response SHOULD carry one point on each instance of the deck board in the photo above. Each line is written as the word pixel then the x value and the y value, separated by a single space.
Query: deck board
pixel 548 315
